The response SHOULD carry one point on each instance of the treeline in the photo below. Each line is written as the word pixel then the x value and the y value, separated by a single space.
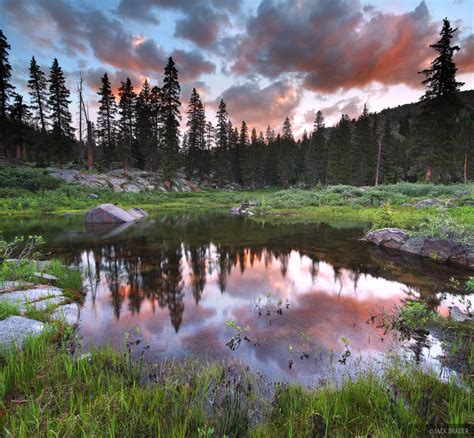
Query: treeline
pixel 141 128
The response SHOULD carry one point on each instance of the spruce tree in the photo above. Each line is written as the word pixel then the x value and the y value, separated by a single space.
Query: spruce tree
pixel 20 116
pixel 286 155
pixel 126 121
pixel 363 151
pixel 221 158
pixel 144 152
pixel 171 118
pixel 157 126
pixel 6 86
pixel 106 125
pixel 316 158
pixel 441 76
pixel 37 85
pixel 339 153
pixel 58 101
pixel 196 142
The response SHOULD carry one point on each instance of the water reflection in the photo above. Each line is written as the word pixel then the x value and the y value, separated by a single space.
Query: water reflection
pixel 179 278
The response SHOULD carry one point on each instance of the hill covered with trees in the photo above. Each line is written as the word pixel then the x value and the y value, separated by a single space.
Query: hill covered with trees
pixel 431 140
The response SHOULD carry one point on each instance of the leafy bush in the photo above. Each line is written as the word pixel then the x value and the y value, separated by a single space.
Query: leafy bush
pixel 25 178
pixel 443 226
pixel 385 218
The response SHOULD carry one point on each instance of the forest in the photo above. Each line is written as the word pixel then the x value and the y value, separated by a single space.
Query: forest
pixel 141 127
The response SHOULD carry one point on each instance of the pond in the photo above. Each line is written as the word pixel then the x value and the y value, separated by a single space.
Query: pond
pixel 287 299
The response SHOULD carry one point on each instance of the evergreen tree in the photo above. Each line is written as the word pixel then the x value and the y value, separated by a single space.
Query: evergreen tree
pixel 441 76
pixel 392 156
pixel 37 84
pixel 58 101
pixel 106 119
pixel 221 161
pixel 196 158
pixel 20 116
pixel 146 149
pixel 316 158
pixel 157 126
pixel 364 151
pixel 171 118
pixel 127 121
pixel 210 136
pixel 286 156
pixel 339 153
pixel 38 94
pixel 6 87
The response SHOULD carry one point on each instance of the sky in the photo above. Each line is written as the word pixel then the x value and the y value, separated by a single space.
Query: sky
pixel 267 59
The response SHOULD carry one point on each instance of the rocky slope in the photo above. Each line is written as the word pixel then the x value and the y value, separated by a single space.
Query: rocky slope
pixel 138 180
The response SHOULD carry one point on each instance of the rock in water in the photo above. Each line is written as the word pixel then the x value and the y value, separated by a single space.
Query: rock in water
pixel 440 250
pixel 111 214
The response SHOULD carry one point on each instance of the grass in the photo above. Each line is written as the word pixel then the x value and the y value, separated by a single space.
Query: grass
pixel 24 270
pixel 48 390
pixel 7 308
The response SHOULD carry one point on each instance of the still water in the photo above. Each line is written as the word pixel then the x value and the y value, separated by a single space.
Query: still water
pixel 297 293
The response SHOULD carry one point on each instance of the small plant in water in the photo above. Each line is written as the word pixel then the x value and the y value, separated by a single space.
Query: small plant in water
pixel 346 353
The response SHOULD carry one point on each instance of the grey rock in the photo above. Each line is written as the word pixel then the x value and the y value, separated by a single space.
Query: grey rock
pixel 14 330
pixel 108 214
pixel 43 304
pixel 44 276
pixel 388 237
pixel 68 312
pixel 29 295
pixel 440 250
pixel 68 214
pixel 8 285
pixel 93 195
pixel 457 315
pixel 138 213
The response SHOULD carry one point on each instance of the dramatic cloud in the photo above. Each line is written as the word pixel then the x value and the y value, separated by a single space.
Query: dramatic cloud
pixel 201 22
pixel 81 30
pixel 261 106
pixel 336 44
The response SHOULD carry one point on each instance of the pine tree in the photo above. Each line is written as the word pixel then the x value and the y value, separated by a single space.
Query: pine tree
pixel 127 121
pixel 363 151
pixel 221 157
pixel 171 118
pixel 316 158
pixel 106 130
pixel 58 101
pixel 6 86
pixel 339 152
pixel 38 104
pixel 196 158
pixel 157 126
pixel 145 149
pixel 20 115
pixel 286 156
pixel 441 76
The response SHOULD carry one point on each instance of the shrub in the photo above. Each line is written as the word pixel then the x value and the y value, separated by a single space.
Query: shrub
pixel 443 226
pixel 385 218
pixel 25 178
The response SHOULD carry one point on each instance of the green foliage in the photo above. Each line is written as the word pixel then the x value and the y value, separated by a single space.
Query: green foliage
pixel 24 178
pixel 442 225
pixel 64 394
pixel 470 284
pixel 385 218
pixel 7 308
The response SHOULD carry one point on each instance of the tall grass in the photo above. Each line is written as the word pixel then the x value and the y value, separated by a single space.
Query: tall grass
pixel 47 391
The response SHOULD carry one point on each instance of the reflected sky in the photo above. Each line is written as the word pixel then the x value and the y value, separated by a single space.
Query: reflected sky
pixel 179 278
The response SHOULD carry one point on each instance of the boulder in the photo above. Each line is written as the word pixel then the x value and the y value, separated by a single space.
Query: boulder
pixel 243 209
pixel 458 315
pixel 14 330
pixel 440 250
pixel 138 213
pixel 111 214
pixel 388 237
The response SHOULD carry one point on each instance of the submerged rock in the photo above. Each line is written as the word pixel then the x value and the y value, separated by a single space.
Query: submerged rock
pixel 244 209
pixel 110 214
pixel 440 250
